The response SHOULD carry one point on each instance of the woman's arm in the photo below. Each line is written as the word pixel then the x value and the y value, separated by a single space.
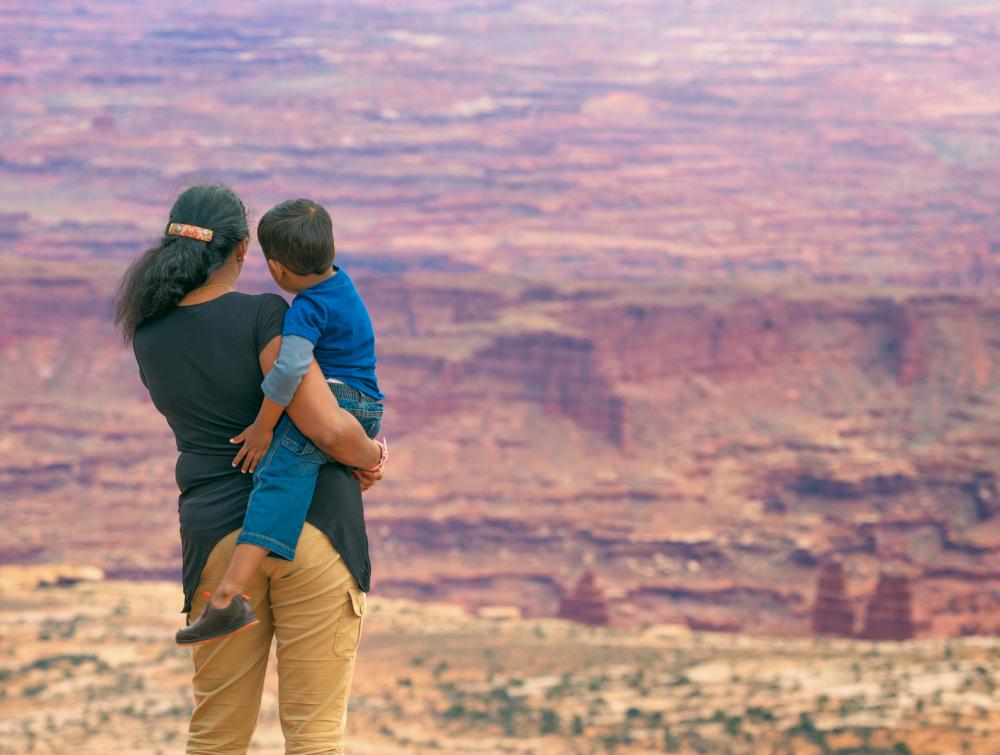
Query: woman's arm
pixel 315 412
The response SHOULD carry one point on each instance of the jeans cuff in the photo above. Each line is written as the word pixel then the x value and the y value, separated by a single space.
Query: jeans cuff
pixel 271 544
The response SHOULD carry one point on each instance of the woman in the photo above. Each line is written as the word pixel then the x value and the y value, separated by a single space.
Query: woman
pixel 203 349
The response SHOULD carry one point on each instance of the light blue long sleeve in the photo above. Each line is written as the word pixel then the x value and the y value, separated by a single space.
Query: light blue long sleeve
pixel 292 363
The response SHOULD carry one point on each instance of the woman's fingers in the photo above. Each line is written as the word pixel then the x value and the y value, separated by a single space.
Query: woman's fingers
pixel 366 479
pixel 239 438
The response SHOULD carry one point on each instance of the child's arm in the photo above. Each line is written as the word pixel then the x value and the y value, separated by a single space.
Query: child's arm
pixel 279 386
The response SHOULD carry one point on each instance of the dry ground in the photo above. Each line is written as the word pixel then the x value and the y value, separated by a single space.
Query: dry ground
pixel 90 668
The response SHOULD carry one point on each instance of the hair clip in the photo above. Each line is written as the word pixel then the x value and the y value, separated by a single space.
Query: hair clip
pixel 191 231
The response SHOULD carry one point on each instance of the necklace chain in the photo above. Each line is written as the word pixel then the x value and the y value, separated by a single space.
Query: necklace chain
pixel 213 285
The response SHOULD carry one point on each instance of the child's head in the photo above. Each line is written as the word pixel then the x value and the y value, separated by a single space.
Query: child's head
pixel 297 239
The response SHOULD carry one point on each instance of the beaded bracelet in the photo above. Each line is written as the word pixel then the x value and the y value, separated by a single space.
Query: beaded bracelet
pixel 383 446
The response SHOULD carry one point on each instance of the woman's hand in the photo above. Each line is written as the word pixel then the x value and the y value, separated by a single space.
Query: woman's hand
pixel 256 440
pixel 367 479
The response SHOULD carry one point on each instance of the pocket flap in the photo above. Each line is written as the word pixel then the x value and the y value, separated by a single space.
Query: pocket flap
pixel 358 600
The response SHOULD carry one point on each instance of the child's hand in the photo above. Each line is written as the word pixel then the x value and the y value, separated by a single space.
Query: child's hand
pixel 255 440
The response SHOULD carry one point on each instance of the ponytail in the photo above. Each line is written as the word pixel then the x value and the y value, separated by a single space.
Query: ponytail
pixel 166 273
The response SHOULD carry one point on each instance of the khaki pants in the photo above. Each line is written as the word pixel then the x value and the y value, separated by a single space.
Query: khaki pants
pixel 314 608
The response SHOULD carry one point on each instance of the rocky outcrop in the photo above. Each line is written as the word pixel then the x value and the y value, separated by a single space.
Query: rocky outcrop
pixel 890 613
pixel 558 372
pixel 832 612
pixel 586 603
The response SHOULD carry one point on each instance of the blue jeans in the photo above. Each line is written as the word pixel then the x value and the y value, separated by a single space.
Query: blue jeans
pixel 285 479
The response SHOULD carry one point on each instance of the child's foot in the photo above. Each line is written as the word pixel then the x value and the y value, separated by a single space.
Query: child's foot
pixel 215 623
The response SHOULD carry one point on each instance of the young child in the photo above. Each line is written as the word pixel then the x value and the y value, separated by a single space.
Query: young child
pixel 327 320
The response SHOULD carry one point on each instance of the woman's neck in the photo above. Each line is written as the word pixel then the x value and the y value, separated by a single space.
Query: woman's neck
pixel 219 284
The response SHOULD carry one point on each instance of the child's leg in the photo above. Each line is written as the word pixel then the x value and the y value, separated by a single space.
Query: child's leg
pixel 246 559
pixel 366 409
pixel 283 488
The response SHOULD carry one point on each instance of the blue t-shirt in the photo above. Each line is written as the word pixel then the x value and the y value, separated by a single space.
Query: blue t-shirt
pixel 332 316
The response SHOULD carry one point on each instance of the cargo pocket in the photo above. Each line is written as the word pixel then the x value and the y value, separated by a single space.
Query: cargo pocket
pixel 348 635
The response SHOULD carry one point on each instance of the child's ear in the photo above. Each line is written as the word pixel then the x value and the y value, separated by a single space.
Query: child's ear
pixel 276 268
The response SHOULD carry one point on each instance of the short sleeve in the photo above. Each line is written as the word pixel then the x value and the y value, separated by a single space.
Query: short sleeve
pixel 306 318
pixel 270 320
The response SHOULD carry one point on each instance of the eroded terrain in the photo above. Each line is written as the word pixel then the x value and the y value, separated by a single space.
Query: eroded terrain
pixel 89 668
pixel 704 447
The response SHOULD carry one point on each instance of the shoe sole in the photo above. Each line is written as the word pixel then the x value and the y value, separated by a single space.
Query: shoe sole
pixel 221 636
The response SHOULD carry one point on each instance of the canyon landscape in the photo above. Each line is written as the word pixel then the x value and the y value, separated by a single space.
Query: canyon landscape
pixel 689 325
pixel 703 447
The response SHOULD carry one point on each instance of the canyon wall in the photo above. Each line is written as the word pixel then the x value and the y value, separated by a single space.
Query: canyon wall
pixel 706 447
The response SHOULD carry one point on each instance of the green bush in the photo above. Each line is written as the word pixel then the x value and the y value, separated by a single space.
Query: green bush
pixel 550 722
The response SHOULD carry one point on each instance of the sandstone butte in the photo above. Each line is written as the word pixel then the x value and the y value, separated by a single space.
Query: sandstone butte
pixel 890 616
pixel 889 613
pixel 586 603
pixel 703 446
pixel 832 612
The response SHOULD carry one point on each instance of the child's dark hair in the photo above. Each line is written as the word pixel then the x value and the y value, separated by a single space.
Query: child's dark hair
pixel 166 273
pixel 298 233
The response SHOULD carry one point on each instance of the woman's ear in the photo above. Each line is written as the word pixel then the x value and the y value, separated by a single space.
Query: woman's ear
pixel 241 251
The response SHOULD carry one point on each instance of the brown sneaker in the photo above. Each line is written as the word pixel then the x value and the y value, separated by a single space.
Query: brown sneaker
pixel 216 623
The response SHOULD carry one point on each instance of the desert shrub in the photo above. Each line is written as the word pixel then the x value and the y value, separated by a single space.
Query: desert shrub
pixel 759 714
pixel 807 729
pixel 550 722
pixel 597 683
pixel 670 742
pixel 499 693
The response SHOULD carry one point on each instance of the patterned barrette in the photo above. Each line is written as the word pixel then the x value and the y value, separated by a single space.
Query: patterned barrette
pixel 191 231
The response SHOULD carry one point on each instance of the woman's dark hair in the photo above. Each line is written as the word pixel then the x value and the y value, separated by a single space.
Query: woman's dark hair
pixel 165 274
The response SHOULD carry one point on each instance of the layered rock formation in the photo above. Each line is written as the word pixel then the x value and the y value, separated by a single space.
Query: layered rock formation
pixel 599 151
pixel 890 614
pixel 586 603
pixel 832 612
pixel 704 446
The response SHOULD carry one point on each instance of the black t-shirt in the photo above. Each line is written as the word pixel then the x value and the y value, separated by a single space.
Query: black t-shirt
pixel 201 366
